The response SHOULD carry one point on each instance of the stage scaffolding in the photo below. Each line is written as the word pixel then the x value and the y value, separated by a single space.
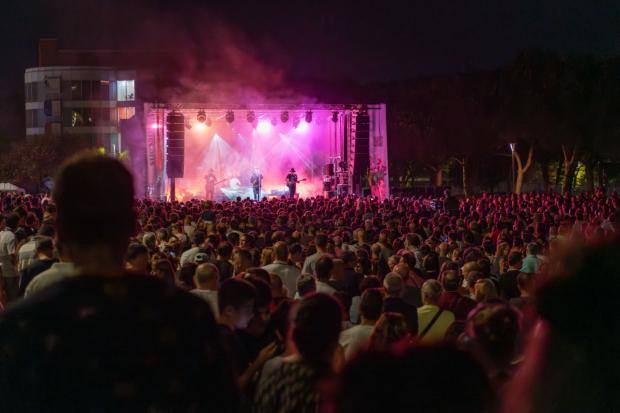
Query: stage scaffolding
pixel 347 151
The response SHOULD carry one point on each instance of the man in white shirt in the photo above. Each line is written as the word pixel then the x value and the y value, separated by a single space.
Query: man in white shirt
pixel 206 279
pixel 8 256
pixel 355 338
pixel 320 241
pixel 56 273
pixel 280 266
pixel 27 253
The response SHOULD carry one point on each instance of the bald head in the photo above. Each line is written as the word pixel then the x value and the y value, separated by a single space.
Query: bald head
pixel 206 276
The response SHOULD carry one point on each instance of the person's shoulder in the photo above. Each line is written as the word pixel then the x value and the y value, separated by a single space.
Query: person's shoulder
pixel 448 314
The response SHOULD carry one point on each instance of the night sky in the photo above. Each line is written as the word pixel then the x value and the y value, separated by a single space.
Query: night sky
pixel 362 41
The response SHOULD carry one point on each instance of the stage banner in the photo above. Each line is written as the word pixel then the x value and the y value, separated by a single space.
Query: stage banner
pixel 378 146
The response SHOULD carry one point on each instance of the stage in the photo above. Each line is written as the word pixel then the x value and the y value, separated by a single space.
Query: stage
pixel 231 141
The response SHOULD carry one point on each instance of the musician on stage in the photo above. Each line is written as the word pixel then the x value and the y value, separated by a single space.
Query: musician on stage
pixel 210 181
pixel 291 183
pixel 256 180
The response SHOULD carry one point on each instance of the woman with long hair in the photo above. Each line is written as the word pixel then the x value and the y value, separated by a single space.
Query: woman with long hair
pixel 391 328
pixel 294 386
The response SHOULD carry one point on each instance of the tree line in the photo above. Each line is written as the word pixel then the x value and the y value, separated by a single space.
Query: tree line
pixel 556 114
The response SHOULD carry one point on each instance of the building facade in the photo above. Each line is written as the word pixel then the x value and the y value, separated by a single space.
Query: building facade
pixel 86 102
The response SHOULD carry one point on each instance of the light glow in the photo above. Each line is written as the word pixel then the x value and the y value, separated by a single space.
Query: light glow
pixel 303 127
pixel 263 127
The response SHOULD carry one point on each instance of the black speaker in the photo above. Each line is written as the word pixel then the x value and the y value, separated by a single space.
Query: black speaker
pixel 328 169
pixel 175 144
pixel 362 152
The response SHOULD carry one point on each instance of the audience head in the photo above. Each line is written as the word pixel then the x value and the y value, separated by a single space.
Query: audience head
pixel 206 276
pixel 393 284
pixel 306 284
pixel 316 328
pixel 371 304
pixel 236 299
pixel 431 291
pixel 323 268
pixel 94 198
pixel 391 328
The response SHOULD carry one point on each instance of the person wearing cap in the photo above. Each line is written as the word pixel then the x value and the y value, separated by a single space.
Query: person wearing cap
pixel 291 183
pixel 197 242
pixel 394 286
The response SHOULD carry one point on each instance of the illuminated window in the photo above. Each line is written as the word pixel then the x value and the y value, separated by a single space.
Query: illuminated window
pixel 125 90
pixel 126 113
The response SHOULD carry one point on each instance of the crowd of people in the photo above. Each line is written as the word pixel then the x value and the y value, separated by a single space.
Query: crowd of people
pixel 496 302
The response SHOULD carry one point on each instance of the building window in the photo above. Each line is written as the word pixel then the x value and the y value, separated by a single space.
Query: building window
pixel 31 92
pixel 126 113
pixel 76 117
pixel 104 90
pixel 86 90
pixel 32 118
pixel 125 90
pixel 76 90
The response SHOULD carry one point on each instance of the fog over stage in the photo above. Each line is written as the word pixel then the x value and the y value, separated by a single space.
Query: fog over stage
pixel 273 138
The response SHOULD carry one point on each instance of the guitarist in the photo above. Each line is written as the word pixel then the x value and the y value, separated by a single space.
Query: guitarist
pixel 210 181
pixel 291 183
pixel 256 180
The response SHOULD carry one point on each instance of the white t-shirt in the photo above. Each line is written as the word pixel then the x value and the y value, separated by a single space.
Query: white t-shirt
pixel 322 287
pixel 7 249
pixel 287 273
pixel 56 273
pixel 354 339
pixel 189 256
pixel 26 255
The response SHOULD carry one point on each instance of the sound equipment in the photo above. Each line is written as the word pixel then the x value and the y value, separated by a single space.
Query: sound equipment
pixel 175 145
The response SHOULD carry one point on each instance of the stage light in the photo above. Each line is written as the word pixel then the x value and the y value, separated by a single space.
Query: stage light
pixel 335 117
pixel 263 127
pixel 303 127
pixel 202 116
pixel 200 126
pixel 274 121
pixel 155 125
pixel 284 117
pixel 251 117
pixel 308 117
pixel 230 116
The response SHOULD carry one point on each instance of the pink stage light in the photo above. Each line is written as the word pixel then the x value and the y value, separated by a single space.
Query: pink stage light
pixel 155 125
pixel 200 126
pixel 303 127
pixel 263 127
